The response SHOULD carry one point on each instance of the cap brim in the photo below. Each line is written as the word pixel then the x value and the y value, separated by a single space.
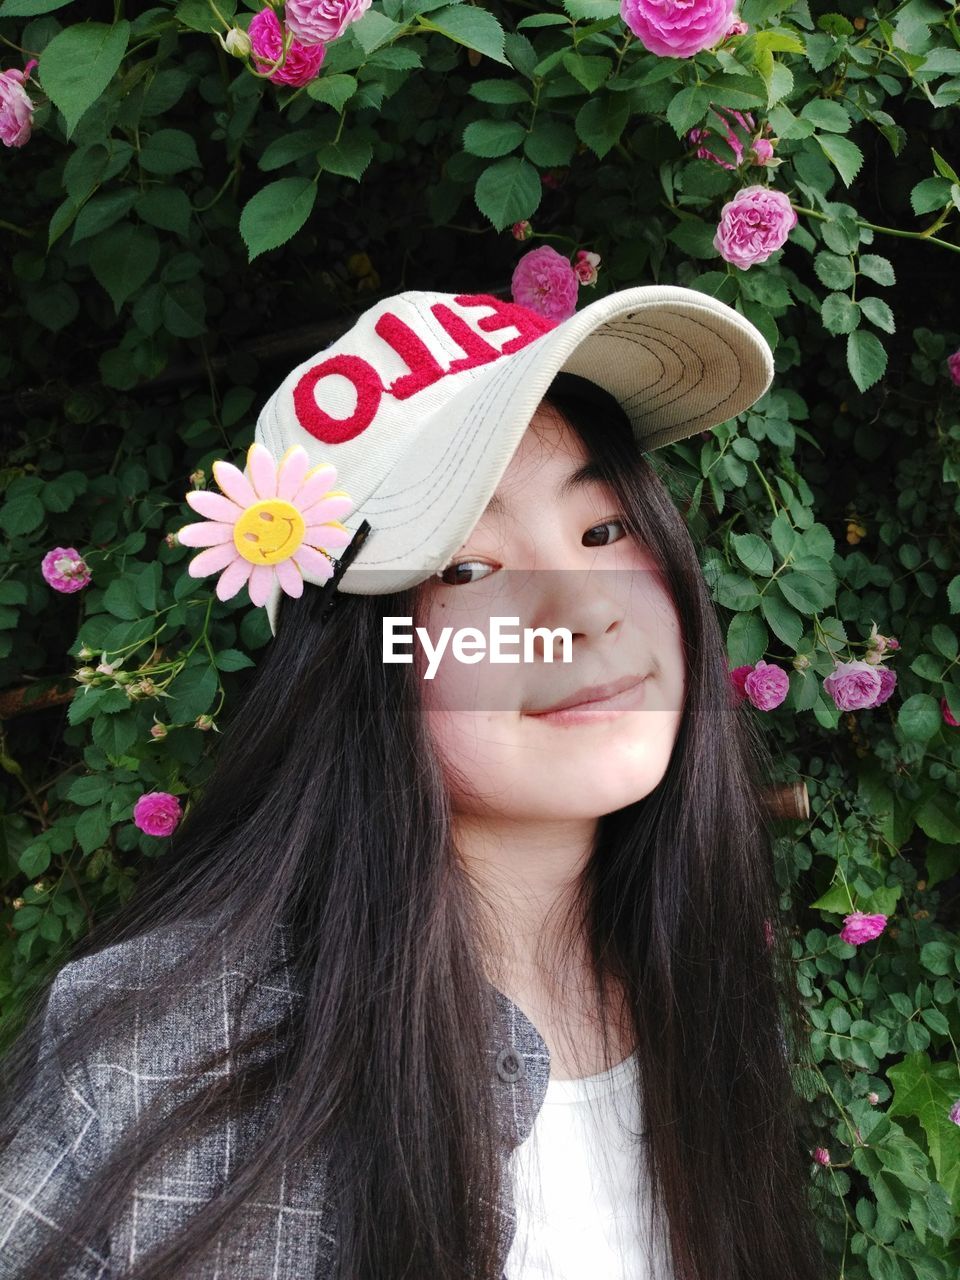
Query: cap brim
pixel 677 360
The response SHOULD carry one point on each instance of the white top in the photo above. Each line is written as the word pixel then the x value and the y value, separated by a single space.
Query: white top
pixel 577 1202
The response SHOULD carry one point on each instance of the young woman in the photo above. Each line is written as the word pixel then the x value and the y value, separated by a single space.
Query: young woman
pixel 459 967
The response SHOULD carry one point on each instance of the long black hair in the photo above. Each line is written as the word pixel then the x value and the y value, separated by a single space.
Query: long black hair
pixel 326 817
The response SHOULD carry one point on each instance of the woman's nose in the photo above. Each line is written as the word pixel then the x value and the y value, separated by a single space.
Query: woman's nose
pixel 588 603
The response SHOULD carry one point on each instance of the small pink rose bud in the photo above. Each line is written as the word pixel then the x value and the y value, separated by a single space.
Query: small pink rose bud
pixel 204 722
pixel 892 642
pixel 107 668
pixel 762 150
pixel 948 715
pixel 953 366
pixel 821 1155
pixel 86 651
pixel 86 675
pixel 197 477
pixel 586 266
pixel 737 28
pixel 148 688
pixel 171 540
pixel 801 662
pixel 954 1112
pixel 522 230
pixel 158 730
pixel 873 1098
pixel 873 656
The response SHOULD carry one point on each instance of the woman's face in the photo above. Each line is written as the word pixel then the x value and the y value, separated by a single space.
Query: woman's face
pixel 552 554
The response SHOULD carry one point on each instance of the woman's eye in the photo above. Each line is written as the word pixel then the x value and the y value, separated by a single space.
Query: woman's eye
pixel 605 525
pixel 455 574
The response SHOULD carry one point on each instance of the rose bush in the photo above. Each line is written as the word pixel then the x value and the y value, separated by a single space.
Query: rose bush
pixel 181 225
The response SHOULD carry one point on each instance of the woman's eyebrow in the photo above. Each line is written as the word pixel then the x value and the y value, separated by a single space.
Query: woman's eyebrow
pixel 588 473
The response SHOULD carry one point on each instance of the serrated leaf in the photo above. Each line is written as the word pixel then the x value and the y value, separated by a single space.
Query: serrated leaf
pixel 335 89
pixel 122 259
pixel 839 314
pixel 877 268
pixel 878 313
pixel 687 108
pixel 833 270
pixel 169 151
pixel 491 138
pixel 826 114
pixel 373 30
pixel 508 191
pixel 866 358
pixel 601 120
pixel 845 156
pixel 470 26
pixel 499 91
pixel 349 157
pixel 276 213
pixel 930 194
pixel 78 64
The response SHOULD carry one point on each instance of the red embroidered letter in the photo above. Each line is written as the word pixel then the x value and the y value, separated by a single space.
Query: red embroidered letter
pixel 316 420
pixel 478 351
pixel 529 324
pixel 424 369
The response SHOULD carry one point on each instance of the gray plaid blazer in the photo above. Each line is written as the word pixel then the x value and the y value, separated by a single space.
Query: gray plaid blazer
pixel 79 1114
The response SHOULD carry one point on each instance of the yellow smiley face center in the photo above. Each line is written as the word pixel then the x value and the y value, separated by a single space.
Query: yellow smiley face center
pixel 269 531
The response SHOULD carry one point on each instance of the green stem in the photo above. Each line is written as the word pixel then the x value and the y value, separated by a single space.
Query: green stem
pixel 888 231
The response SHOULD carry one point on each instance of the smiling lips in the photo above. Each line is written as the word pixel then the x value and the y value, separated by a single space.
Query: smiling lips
pixel 596 701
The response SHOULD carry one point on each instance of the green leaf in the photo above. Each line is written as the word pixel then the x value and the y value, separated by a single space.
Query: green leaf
pixel 78 64
pixel 826 114
pixel 930 194
pixel 169 151
pixel 191 693
pixel 233 660
pixel 92 829
pixel 590 70
pixel 839 314
pixel 29 8
pixel 35 859
pixel 753 553
pixel 500 91
pixel 508 191
pixel 552 142
pixel 468 25
pixel 373 30
pixel 919 718
pixel 687 108
pixel 335 89
pixel 490 138
pixel 926 1091
pixel 937 817
pixel 833 271
pixel 276 213
pixel 165 207
pixel 943 168
pixel 592 10
pixel 348 157
pixel 878 313
pixel 122 259
pixel 877 268
pixel 694 237
pixel 601 120
pixel 866 358
pixel 100 212
pixel 845 156
pixel 21 514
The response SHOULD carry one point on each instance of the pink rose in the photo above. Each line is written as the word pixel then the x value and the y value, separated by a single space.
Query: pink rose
pixel 745 122
pixel 302 61
pixel 677 28
pixel 853 686
pixel 320 21
pixel 737 28
pixel 586 266
pixel 948 714
pixel 157 813
pixel 739 674
pixel 521 230
pixel 766 686
pixel 858 927
pixel 65 569
pixel 821 1155
pixel 762 149
pixel 753 225
pixel 544 281
pixel 888 682
pixel 953 364
pixel 16 106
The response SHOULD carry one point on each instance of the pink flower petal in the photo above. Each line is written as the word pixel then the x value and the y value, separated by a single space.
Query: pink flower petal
pixel 262 470
pixel 327 535
pixel 212 560
pixel 289 577
pixel 233 578
pixel 331 508
pixel 206 534
pixel 291 472
pixel 316 485
pixel 261 581
pixel 234 483
pixel 313 562
pixel 213 505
